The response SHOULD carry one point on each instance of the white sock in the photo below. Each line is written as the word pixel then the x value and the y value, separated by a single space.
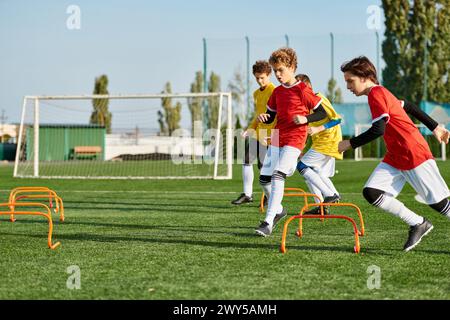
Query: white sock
pixel 247 178
pixel 398 209
pixel 275 199
pixel 328 183
pixel 312 177
pixel 313 189
pixel 267 190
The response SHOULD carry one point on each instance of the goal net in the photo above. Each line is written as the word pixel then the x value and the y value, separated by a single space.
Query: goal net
pixel 376 148
pixel 163 136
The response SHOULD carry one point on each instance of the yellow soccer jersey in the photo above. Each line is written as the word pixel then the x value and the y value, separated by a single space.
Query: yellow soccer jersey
pixel 262 130
pixel 327 141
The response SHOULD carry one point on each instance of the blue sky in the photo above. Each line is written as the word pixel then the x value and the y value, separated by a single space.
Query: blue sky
pixel 141 45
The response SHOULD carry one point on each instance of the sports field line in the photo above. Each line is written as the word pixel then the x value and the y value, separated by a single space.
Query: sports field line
pixel 169 192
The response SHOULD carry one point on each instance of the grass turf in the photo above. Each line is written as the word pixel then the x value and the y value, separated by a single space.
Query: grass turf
pixel 184 240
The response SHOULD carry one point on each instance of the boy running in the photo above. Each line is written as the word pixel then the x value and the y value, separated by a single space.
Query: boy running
pixel 318 164
pixel 257 133
pixel 291 102
pixel 408 157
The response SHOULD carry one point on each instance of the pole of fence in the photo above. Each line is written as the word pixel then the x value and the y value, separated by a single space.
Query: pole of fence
pixel 332 55
pixel 287 40
pixel 205 66
pixel 425 68
pixel 205 82
pixel 247 41
pixel 377 36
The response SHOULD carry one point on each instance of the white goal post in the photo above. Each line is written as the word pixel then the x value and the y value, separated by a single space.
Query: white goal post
pixel 361 127
pixel 140 136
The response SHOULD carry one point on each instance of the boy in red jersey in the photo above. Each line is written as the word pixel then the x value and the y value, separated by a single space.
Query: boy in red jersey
pixel 291 103
pixel 408 157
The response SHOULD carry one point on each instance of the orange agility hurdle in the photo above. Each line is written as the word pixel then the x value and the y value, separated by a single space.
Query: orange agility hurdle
pixel 20 193
pixel 301 216
pixel 36 213
pixel 261 202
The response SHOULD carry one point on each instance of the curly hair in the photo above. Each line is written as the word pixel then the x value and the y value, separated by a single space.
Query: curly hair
pixel 285 56
pixel 361 67
pixel 262 66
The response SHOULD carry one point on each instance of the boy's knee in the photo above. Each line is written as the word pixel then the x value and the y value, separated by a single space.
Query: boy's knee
pixel 301 167
pixel 278 175
pixel 372 195
pixel 265 180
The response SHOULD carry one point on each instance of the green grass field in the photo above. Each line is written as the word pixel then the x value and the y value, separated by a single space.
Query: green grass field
pixel 183 239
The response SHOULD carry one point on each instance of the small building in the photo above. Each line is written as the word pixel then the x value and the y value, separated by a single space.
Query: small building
pixel 58 142
pixel 8 136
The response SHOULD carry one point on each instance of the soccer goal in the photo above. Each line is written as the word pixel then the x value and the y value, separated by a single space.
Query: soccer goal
pixel 161 136
pixel 359 152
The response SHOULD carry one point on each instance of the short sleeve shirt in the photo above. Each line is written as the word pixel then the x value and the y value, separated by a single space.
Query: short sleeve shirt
pixel 405 145
pixel 288 102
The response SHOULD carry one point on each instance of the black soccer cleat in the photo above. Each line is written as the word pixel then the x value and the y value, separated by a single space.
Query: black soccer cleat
pixel 316 211
pixel 242 199
pixel 333 199
pixel 416 233
pixel 279 216
pixel 264 229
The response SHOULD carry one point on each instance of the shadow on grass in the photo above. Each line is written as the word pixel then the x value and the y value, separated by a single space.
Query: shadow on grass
pixel 184 228
pixel 212 244
pixel 156 207
pixel 160 209
pixel 247 233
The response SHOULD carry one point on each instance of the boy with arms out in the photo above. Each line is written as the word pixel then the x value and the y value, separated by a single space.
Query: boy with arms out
pixel 408 157
pixel 291 102
pixel 318 164
pixel 257 134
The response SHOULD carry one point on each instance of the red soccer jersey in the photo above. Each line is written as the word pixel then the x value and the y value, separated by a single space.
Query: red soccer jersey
pixel 287 102
pixel 406 147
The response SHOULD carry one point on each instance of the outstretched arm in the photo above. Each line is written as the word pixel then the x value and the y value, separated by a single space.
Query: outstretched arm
pixel 328 125
pixel 318 114
pixel 376 130
pixel 441 134
pixel 417 113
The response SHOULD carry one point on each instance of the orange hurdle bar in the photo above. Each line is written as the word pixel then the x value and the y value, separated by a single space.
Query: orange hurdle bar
pixel 301 216
pixel 36 213
pixel 13 198
pixel 261 202
pixel 306 201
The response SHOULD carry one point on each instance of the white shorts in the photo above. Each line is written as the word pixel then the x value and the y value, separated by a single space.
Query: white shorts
pixel 425 179
pixel 281 159
pixel 319 162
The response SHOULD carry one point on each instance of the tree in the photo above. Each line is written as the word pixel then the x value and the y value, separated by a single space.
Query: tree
pixel 416 49
pixel 396 44
pixel 238 92
pixel 101 116
pixel 195 104
pixel 213 105
pixel 439 55
pixel 172 114
pixel 334 93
